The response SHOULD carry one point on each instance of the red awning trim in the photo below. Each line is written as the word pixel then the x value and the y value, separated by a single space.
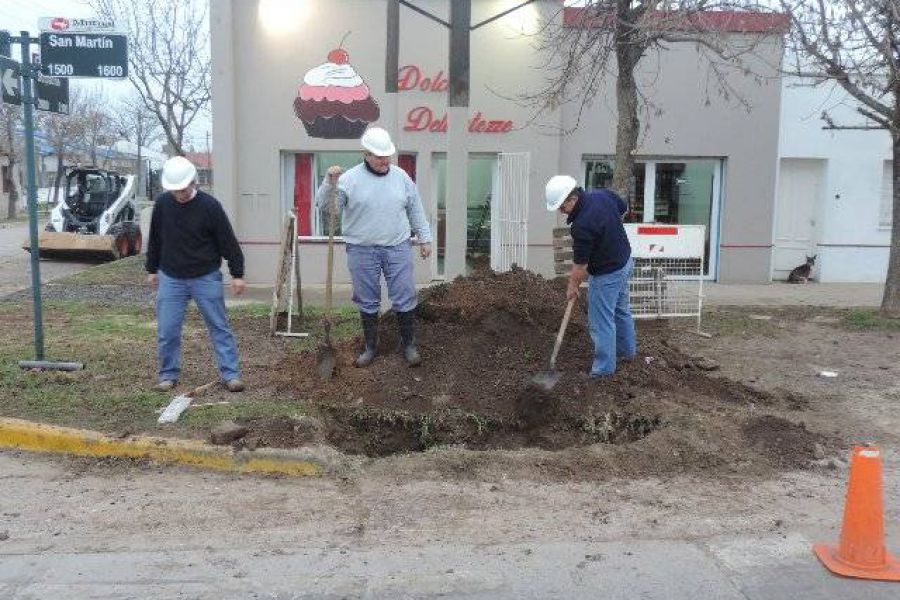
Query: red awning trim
pixel 713 21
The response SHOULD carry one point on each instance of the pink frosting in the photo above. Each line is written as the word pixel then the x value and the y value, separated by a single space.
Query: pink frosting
pixel 334 93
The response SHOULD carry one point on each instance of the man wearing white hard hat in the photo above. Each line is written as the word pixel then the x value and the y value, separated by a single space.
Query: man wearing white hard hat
pixel 189 236
pixel 380 206
pixel 602 255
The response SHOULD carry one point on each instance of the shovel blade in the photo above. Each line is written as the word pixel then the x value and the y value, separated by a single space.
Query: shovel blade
pixel 325 362
pixel 546 380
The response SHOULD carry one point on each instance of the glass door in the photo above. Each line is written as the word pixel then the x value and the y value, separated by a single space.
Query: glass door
pixel 684 192
pixel 439 210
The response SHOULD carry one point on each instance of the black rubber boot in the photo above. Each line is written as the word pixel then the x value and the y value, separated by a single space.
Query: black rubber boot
pixel 370 332
pixel 406 320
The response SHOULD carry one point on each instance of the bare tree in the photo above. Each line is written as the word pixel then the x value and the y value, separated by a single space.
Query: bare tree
pixel 64 133
pixel 608 39
pixel 168 59
pixel 10 117
pixel 856 43
pixel 135 123
pixel 97 125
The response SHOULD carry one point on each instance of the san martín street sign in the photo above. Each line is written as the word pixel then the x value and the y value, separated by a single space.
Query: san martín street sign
pixel 83 48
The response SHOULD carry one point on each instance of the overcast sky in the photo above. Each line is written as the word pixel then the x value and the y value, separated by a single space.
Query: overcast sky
pixel 23 15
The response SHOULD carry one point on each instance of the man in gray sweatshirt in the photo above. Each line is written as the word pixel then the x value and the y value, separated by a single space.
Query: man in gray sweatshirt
pixel 380 206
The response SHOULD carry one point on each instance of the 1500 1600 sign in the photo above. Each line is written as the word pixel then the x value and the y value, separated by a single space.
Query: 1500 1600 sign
pixel 84 54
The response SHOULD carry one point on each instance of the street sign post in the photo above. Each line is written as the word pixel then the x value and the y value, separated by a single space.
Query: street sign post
pixel 5 43
pixel 52 94
pixel 103 55
pixel 10 81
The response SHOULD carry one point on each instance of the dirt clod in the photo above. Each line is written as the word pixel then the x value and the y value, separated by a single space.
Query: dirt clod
pixel 227 433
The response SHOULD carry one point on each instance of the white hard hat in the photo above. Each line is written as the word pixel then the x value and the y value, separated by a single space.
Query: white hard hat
pixel 558 189
pixel 177 173
pixel 378 141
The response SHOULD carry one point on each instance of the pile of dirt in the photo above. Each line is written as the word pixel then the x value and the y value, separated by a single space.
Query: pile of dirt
pixel 484 336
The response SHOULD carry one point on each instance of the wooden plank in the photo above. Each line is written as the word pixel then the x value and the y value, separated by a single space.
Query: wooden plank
pixel 284 258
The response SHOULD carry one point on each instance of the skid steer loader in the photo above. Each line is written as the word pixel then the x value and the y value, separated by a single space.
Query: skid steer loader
pixel 94 219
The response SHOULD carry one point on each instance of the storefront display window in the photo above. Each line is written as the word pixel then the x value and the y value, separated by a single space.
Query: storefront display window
pixel 304 172
pixel 678 191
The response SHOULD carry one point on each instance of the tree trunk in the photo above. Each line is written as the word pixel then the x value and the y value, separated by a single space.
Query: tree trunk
pixel 627 106
pixel 59 174
pixel 890 304
pixel 13 192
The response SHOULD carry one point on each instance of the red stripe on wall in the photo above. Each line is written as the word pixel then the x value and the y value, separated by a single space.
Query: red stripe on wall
pixel 657 231
pixel 303 192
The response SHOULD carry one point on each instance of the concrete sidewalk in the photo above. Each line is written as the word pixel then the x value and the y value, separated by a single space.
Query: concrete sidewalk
pixel 714 294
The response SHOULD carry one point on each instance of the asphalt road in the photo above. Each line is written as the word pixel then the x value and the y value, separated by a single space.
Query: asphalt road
pixel 74 529
pixel 15 263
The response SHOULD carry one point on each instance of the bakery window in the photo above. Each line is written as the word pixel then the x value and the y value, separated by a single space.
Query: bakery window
pixel 303 173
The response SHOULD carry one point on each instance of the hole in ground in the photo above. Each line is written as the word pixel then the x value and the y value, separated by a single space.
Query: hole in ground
pixel 383 433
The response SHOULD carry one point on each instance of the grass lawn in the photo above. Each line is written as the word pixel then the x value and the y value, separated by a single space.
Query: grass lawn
pixel 117 344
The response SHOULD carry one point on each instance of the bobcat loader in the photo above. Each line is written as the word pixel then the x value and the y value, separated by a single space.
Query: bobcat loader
pixel 94 220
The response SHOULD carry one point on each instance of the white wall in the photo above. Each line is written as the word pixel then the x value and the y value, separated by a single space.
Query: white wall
pixel 850 244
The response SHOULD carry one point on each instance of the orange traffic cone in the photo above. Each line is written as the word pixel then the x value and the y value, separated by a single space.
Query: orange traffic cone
pixel 861 552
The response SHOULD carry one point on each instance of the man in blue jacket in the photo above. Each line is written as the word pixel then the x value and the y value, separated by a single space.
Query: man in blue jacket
pixel 602 255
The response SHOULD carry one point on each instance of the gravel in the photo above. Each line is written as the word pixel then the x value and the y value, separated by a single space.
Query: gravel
pixel 101 294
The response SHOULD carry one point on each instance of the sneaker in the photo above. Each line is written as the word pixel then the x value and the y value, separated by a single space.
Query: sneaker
pixel 235 385
pixel 166 385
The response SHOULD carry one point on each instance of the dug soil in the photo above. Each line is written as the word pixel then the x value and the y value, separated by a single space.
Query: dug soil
pixel 483 338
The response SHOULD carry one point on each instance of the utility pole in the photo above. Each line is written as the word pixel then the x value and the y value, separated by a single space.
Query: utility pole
pixel 459 53
pixel 209 169
pixel 28 76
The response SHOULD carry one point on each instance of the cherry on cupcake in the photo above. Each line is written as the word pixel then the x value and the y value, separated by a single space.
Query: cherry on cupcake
pixel 339 56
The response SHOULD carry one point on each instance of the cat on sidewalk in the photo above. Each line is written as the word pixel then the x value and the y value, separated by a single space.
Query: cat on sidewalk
pixel 802 273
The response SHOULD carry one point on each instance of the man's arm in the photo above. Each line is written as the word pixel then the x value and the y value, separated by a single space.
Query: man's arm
pixel 576 278
pixel 415 212
pixel 582 240
pixel 329 182
pixel 229 248
pixel 151 264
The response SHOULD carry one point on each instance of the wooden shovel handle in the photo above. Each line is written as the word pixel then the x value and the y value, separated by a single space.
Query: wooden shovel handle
pixel 332 202
pixel 562 332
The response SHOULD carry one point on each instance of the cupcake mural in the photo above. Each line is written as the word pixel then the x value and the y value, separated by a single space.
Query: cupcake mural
pixel 333 101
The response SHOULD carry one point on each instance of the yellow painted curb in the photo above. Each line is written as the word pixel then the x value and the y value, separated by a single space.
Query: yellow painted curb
pixel 38 437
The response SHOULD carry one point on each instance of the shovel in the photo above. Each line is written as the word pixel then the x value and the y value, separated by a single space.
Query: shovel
pixel 180 403
pixel 326 356
pixel 548 379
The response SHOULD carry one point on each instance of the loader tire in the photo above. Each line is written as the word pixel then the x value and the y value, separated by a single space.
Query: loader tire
pixel 135 238
pixel 120 241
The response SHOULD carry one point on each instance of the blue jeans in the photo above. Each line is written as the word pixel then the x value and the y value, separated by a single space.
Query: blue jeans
pixel 368 263
pixel 612 328
pixel 172 299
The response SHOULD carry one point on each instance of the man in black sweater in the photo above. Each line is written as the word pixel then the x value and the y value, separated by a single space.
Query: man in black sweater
pixel 189 236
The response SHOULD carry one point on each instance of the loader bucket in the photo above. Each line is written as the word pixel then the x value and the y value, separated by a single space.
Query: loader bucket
pixel 76 246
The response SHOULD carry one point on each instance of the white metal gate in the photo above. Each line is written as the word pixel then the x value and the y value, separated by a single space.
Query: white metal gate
pixel 509 212
pixel 667 280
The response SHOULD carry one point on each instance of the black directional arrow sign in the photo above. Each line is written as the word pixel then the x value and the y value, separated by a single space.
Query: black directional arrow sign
pixel 52 94
pixel 10 81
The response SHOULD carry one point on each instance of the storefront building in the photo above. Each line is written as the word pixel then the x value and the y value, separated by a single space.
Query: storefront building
pixel 835 187
pixel 293 91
